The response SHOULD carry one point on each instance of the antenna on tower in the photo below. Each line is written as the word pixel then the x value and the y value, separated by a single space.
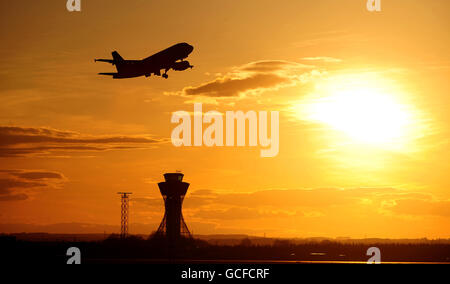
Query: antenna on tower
pixel 124 214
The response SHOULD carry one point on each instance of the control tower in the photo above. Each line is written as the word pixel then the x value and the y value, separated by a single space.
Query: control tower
pixel 173 190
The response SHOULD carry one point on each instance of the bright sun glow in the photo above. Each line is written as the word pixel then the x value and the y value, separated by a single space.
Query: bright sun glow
pixel 367 112
pixel 362 114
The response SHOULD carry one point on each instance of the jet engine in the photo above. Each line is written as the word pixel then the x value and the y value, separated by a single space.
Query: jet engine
pixel 180 66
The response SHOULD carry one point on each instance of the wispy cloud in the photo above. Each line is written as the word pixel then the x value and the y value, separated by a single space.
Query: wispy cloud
pixel 335 38
pixel 234 86
pixel 323 59
pixel 416 206
pixel 19 184
pixel 267 203
pixel 25 141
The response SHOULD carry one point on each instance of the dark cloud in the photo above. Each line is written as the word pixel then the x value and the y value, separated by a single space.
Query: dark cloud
pixel 17 135
pixel 18 184
pixel 38 175
pixel 22 141
pixel 13 197
pixel 6 184
pixel 251 78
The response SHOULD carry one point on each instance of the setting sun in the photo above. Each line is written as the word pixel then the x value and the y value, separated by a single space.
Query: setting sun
pixel 365 110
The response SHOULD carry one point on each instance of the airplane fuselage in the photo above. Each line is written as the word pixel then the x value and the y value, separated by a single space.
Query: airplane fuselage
pixel 170 58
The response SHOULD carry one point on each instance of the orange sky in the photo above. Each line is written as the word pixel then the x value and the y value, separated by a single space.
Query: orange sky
pixel 363 100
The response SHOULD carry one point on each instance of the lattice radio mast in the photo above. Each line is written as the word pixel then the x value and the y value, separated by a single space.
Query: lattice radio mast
pixel 124 214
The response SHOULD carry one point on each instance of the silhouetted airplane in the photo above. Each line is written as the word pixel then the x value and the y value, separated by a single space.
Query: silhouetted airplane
pixel 166 59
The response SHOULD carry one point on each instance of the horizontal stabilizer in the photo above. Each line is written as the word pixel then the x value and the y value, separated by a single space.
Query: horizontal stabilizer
pixel 108 74
pixel 105 60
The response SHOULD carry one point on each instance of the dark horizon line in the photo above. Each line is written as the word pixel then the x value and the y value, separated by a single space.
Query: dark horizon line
pixel 232 236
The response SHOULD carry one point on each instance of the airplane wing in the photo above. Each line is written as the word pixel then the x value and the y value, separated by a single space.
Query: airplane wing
pixel 157 63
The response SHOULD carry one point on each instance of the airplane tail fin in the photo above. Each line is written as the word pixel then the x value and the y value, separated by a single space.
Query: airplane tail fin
pixel 116 56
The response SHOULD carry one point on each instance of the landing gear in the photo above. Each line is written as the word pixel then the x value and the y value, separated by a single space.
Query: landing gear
pixel 165 76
